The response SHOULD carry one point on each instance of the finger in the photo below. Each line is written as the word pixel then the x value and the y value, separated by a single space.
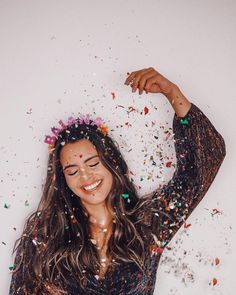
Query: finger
pixel 138 76
pixel 131 76
pixel 143 81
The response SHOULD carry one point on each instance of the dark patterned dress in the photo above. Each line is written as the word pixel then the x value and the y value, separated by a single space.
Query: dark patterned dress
pixel 200 150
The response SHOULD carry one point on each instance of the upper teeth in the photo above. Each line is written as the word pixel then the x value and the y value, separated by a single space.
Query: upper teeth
pixel 89 187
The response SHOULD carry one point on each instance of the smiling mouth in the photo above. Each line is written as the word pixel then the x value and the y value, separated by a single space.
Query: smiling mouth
pixel 92 187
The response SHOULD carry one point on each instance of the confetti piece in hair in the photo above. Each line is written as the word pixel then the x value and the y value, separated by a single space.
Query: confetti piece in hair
pixel 146 110
pixel 113 95
pixel 154 249
pixel 34 240
pixel 184 121
pixel 125 196
pixel 6 206
pixel 26 203
pixel 93 241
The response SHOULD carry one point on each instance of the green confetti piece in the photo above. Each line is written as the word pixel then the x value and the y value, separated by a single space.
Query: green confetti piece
pixel 184 121
pixel 125 196
pixel 6 206
pixel 11 268
pixel 141 179
pixel 66 227
pixel 26 203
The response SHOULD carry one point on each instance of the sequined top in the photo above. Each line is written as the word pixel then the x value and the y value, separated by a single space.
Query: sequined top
pixel 200 150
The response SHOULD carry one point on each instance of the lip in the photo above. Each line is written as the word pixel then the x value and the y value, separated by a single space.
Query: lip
pixel 93 190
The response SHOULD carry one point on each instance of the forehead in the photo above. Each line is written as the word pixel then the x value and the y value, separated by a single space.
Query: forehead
pixel 79 150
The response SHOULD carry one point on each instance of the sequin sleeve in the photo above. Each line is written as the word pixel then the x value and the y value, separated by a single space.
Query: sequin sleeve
pixel 200 150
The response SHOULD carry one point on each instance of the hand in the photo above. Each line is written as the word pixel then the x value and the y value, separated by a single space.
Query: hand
pixel 150 81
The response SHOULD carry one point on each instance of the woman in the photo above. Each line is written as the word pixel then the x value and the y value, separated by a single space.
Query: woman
pixel 91 234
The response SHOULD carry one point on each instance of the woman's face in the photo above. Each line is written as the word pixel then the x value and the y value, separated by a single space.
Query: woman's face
pixel 84 172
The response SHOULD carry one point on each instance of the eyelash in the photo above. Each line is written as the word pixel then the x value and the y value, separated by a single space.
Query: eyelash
pixel 71 174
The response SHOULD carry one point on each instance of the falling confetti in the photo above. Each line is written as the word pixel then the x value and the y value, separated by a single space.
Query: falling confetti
pixel 214 282
pixel 217 261
pixel 168 164
pixel 26 203
pixel 216 212
pixel 113 95
pixel 187 225
pixel 146 110
pixel 29 111
pixel 6 206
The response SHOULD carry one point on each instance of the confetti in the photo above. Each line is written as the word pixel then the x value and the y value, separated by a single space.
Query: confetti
pixel 125 196
pixel 29 111
pixel 187 225
pixel 168 164
pixel 217 261
pixel 184 121
pixel 113 95
pixel 6 206
pixel 26 203
pixel 146 110
pixel 214 281
pixel 216 211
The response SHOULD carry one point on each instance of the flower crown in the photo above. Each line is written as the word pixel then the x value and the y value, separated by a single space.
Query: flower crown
pixel 82 119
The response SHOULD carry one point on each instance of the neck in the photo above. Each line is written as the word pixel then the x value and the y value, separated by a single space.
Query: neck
pixel 99 214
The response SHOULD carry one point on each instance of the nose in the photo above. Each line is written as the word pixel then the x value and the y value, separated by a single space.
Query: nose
pixel 85 173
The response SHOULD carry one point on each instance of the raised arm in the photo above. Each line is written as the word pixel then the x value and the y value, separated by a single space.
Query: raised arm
pixel 200 150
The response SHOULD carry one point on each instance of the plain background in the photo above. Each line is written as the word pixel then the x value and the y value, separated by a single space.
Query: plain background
pixel 58 58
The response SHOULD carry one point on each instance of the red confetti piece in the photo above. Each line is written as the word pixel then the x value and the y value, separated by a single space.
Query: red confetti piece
pixel 217 261
pixel 187 225
pixel 146 110
pixel 214 281
pixel 168 164
pixel 155 249
pixel 113 95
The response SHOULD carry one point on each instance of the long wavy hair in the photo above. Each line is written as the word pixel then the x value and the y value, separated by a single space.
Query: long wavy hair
pixel 55 239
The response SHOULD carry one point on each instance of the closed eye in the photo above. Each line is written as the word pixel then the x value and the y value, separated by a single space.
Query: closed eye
pixel 71 174
pixel 94 164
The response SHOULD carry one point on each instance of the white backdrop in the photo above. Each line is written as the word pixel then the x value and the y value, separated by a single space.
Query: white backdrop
pixel 58 58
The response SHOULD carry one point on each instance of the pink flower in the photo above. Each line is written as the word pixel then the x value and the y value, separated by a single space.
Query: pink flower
pixel 84 118
pixel 98 121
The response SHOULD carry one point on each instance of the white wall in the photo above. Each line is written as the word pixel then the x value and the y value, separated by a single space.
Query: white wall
pixel 62 57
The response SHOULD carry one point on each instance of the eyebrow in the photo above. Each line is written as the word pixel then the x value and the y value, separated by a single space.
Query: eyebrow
pixel 74 165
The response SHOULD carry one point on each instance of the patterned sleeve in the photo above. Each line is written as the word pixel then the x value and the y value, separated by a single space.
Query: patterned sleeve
pixel 200 150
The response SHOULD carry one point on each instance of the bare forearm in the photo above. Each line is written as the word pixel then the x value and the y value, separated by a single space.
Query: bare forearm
pixel 179 102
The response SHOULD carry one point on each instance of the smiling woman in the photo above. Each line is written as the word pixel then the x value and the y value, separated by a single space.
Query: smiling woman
pixel 91 234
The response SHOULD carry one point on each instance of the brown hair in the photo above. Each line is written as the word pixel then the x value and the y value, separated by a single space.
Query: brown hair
pixel 59 227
